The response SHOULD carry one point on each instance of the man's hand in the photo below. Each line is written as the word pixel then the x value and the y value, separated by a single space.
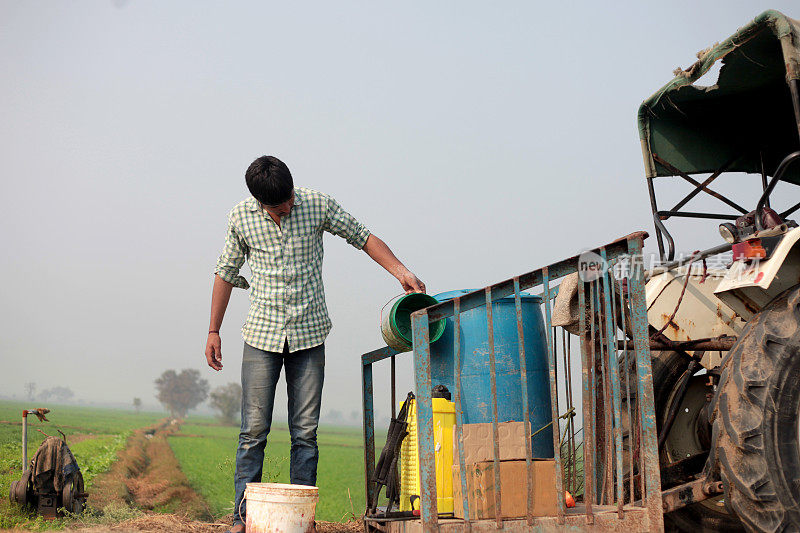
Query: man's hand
pixel 411 283
pixel 381 254
pixel 214 351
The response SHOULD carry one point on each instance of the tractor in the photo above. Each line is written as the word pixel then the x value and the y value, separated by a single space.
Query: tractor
pixel 727 388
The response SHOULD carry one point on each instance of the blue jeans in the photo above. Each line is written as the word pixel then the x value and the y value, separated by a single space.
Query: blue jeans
pixel 305 370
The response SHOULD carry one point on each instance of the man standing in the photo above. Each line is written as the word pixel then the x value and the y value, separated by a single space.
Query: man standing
pixel 278 230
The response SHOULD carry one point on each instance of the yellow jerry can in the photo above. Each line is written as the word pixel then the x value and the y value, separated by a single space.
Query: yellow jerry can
pixel 444 420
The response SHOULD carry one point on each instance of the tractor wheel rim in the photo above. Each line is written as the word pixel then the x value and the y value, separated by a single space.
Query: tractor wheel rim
pixel 683 439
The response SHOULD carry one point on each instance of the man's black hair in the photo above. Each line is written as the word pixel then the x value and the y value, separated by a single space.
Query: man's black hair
pixel 269 180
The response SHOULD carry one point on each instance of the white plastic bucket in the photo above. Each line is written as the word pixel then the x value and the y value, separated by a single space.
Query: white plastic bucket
pixel 278 507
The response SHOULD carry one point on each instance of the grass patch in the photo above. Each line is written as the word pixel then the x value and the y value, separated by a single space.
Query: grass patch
pixel 207 456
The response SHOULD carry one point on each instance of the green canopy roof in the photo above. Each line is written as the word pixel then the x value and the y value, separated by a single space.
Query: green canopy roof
pixel 747 115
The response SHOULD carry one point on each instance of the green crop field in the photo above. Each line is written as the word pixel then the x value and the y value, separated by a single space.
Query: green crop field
pixel 79 420
pixel 99 435
pixel 206 453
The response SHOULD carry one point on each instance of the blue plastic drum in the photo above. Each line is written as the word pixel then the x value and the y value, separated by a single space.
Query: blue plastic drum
pixel 476 400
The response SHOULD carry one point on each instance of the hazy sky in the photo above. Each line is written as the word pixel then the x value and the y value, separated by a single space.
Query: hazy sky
pixel 479 140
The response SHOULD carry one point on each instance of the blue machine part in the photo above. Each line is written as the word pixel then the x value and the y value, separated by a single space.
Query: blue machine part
pixel 476 401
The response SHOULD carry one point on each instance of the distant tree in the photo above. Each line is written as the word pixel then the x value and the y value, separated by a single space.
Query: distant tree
pixel 57 394
pixel 334 416
pixel 227 401
pixel 30 389
pixel 137 405
pixel 179 393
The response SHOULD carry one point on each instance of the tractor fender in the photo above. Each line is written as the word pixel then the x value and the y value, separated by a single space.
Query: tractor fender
pixel 749 286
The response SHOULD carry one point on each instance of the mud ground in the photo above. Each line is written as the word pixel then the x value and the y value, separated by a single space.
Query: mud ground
pixel 159 523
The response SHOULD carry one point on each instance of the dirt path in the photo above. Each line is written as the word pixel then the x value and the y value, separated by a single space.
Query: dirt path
pixel 147 475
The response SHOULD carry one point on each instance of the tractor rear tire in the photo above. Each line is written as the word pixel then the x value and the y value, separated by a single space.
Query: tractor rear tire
pixel 755 418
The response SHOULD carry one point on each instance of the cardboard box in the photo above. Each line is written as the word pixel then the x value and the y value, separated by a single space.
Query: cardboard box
pixel 513 489
pixel 479 439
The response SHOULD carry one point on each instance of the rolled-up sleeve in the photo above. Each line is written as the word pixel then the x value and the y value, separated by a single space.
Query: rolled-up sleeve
pixel 340 222
pixel 233 257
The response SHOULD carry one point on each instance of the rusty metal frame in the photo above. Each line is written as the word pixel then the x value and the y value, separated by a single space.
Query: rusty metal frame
pixel 604 298
pixel 721 344
pixel 689 493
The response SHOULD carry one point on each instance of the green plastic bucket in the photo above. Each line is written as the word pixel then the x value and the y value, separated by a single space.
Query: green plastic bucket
pixel 396 324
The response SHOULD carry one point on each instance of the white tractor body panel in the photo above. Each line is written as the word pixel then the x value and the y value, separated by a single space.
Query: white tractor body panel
pixel 700 314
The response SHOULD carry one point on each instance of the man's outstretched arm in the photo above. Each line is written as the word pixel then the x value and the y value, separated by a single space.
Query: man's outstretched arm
pixel 225 279
pixel 220 295
pixel 381 254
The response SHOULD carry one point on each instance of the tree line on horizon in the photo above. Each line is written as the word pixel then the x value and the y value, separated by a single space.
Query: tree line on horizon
pixel 180 392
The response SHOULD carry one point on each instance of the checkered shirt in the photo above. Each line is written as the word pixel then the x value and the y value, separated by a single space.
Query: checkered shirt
pixel 287 299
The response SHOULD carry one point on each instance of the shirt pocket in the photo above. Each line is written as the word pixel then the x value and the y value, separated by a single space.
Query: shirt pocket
pixel 306 246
